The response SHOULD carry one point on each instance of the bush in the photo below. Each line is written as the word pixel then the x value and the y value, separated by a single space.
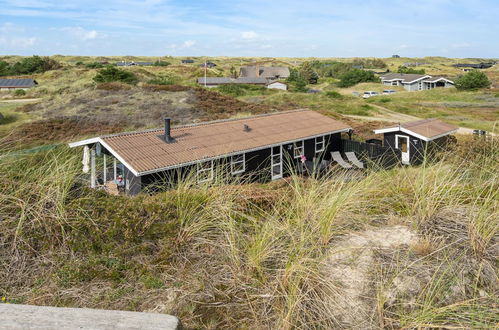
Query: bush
pixel 19 92
pixel 94 65
pixel 164 80
pixel 474 79
pixel 356 76
pixel 34 64
pixel 232 89
pixel 113 86
pixel 161 63
pixel 333 95
pixel 404 69
pixel 111 73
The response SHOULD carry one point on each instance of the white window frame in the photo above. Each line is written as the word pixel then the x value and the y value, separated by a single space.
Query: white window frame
pixel 317 142
pixel 295 148
pixel 200 169
pixel 232 163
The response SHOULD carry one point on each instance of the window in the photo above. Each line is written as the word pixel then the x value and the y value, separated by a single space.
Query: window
pixel 205 171
pixel 319 144
pixel 237 164
pixel 298 149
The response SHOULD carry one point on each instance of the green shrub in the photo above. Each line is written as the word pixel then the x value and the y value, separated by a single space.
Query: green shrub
pixel 19 92
pixel 111 73
pixel 383 100
pixel 164 80
pixel 94 65
pixel 356 76
pixel 232 89
pixel 404 69
pixel 333 95
pixel 161 63
pixel 474 79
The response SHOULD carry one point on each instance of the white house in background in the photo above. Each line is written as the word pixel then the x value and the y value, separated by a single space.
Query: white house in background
pixel 415 82
pixel 277 85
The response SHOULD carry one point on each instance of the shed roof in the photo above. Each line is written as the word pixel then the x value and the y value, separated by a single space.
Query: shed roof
pixel 425 129
pixel 146 152
pixel 405 77
pixel 17 83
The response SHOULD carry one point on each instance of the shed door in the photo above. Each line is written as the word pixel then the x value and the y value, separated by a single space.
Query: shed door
pixel 276 162
pixel 402 143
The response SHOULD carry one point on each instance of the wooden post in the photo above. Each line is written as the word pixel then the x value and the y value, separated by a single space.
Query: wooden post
pixel 114 169
pixel 92 168
pixel 105 170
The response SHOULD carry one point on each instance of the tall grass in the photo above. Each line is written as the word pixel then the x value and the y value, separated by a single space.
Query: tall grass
pixel 250 255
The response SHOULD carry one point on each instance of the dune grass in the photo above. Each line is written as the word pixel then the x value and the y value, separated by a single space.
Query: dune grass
pixel 254 255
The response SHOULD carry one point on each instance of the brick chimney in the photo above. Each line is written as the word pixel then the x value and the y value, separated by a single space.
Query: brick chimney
pixel 168 137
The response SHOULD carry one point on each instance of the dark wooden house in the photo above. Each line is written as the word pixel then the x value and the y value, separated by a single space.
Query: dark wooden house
pixel 417 138
pixel 261 148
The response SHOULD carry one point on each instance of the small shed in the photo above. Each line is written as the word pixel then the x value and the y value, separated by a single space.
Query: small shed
pixel 10 84
pixel 187 61
pixel 277 85
pixel 416 139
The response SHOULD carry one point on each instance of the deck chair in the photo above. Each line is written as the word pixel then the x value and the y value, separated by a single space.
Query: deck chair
pixel 338 159
pixel 352 158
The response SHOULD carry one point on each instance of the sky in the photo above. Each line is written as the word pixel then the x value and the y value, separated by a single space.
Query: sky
pixel 274 28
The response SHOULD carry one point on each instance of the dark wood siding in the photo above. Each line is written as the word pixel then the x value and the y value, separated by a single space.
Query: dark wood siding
pixel 257 165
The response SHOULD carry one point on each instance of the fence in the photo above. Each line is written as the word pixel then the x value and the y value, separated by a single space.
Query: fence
pixel 373 154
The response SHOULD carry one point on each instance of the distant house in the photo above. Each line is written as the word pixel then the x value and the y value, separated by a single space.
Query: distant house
pixel 417 138
pixel 208 65
pixel 415 82
pixel 10 84
pixel 277 85
pixel 260 148
pixel 188 61
pixel 470 66
pixel 132 63
pixel 269 72
pixel 395 56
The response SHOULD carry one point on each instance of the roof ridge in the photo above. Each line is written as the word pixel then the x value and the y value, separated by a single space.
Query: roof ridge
pixel 204 123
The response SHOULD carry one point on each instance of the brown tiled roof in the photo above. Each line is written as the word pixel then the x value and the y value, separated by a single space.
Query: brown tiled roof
pixel 429 128
pixel 146 152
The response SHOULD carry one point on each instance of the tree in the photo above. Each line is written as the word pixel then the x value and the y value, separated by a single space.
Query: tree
pixel 308 74
pixel 233 72
pixel 474 79
pixel 34 64
pixel 112 73
pixel 4 68
pixel 356 76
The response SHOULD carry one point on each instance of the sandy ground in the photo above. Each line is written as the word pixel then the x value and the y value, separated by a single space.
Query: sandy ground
pixel 348 267
pixel 21 100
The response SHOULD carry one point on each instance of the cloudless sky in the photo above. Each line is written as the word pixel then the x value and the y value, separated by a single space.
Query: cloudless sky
pixel 319 28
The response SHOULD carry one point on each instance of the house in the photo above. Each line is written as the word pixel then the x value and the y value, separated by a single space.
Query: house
pixel 417 138
pixel 132 63
pixel 470 66
pixel 260 148
pixel 217 81
pixel 277 85
pixel 415 82
pixel 208 65
pixel 10 84
pixel 188 61
pixel 269 72
pixel 395 56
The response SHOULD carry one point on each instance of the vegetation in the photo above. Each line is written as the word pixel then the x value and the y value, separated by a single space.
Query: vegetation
pixel 29 65
pixel 473 79
pixel 356 76
pixel 404 69
pixel 370 63
pixel 241 89
pixel 19 92
pixel 161 63
pixel 281 251
pixel 111 73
